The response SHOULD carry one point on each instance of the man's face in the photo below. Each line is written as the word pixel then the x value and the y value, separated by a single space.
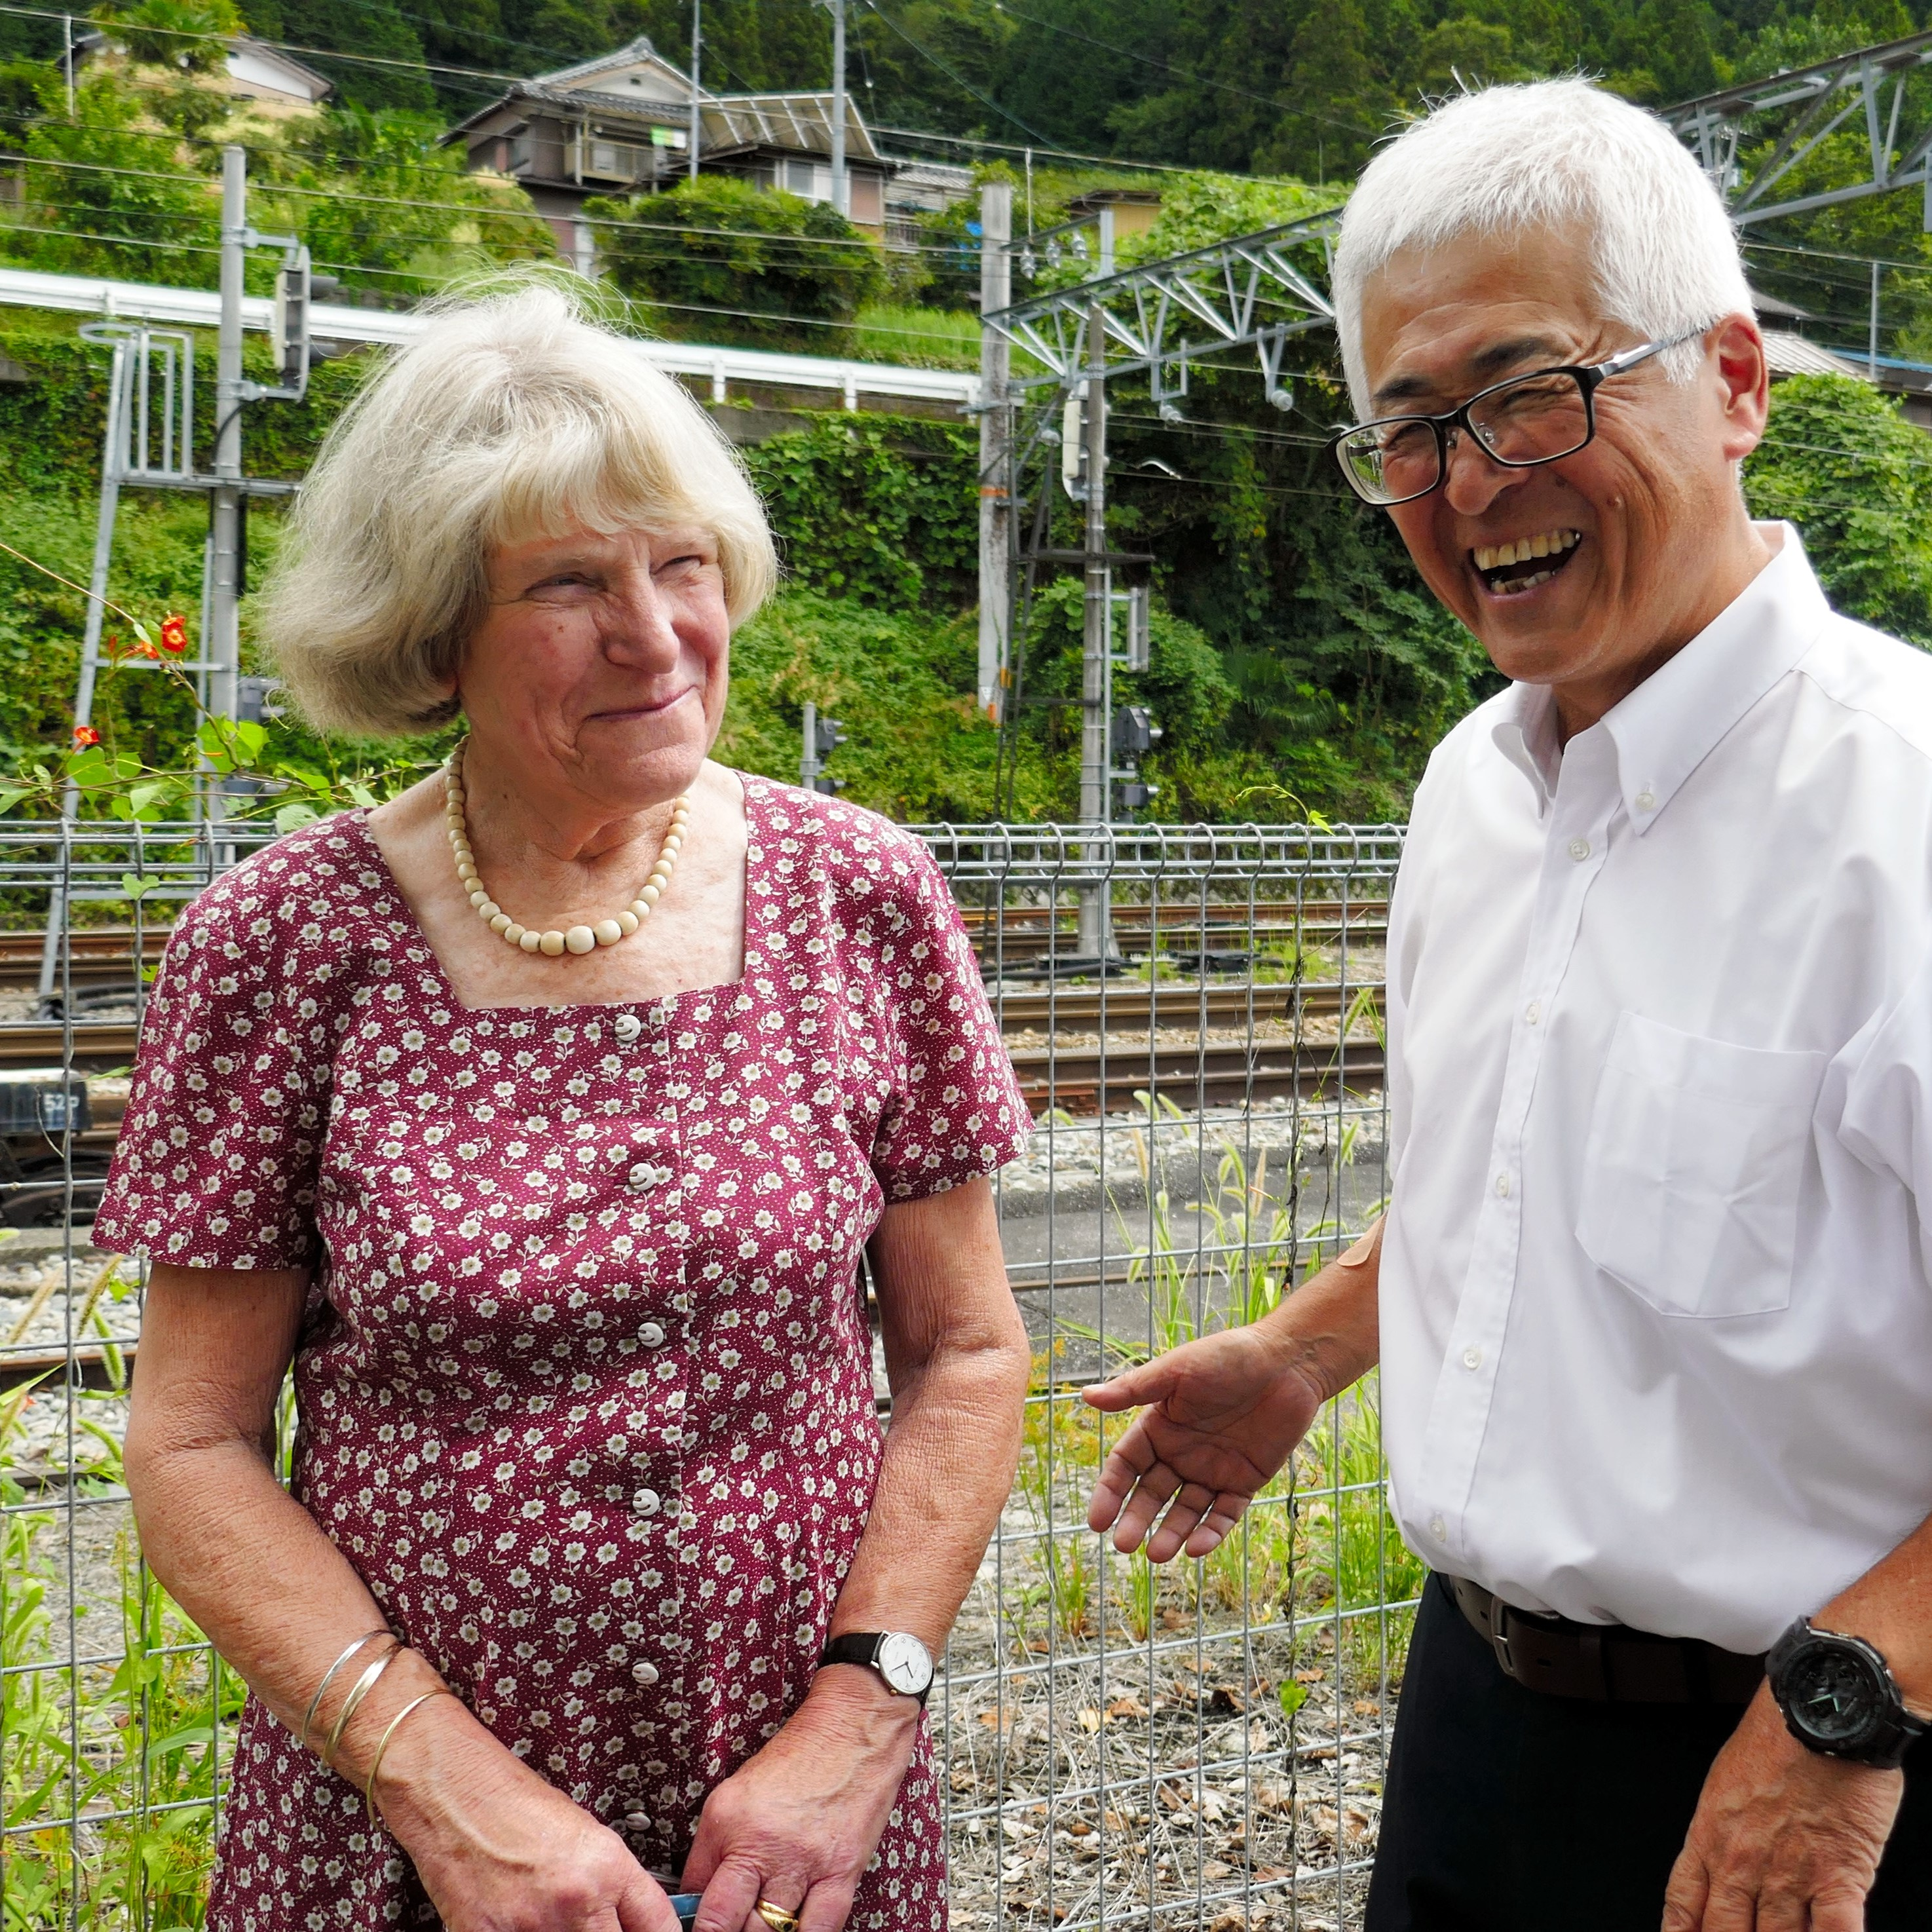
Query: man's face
pixel 1620 543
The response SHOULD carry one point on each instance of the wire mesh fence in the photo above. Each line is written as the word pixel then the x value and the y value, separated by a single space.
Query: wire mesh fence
pixel 1195 1016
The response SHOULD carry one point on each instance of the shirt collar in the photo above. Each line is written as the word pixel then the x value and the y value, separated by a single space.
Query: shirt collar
pixel 1525 733
pixel 1665 729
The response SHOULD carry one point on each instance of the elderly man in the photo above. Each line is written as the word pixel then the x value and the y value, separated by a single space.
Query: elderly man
pixel 1652 1299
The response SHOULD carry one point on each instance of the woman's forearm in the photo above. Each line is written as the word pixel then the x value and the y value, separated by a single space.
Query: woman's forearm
pixel 948 1465
pixel 241 1555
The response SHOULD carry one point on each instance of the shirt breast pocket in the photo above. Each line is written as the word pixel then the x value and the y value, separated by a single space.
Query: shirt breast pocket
pixel 1693 1167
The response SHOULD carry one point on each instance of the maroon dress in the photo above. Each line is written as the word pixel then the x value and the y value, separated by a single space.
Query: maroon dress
pixel 585 1385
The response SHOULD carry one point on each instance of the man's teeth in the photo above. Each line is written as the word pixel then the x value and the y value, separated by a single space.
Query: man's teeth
pixel 1551 543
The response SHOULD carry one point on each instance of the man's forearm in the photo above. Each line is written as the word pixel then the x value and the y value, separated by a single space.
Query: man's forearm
pixel 1890 1607
pixel 1329 1330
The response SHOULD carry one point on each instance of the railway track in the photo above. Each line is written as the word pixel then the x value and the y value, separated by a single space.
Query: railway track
pixel 99 1045
pixel 1091 1080
pixel 103 955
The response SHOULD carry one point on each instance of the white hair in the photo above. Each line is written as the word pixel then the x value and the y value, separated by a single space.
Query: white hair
pixel 1551 154
pixel 513 415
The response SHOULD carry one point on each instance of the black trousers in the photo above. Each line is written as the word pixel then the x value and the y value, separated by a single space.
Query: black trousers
pixel 1508 1811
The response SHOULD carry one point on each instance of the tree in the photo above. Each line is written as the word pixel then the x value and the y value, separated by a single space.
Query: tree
pixel 1841 462
pixel 720 260
pixel 187 34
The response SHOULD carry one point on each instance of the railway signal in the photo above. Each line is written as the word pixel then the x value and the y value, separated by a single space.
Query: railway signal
pixel 822 737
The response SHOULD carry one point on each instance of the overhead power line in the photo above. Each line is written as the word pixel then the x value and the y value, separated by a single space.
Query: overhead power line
pixel 958 79
pixel 1180 73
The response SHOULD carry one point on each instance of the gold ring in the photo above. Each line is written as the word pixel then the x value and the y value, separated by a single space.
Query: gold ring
pixel 776 1916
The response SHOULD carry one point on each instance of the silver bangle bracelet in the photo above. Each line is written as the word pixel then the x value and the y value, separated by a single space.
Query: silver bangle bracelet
pixel 358 1691
pixel 328 1677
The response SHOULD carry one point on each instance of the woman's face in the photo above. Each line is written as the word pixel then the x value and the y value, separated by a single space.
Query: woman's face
pixel 602 665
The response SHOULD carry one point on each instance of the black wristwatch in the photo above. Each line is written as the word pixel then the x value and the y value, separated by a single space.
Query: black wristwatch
pixel 904 1663
pixel 1838 1697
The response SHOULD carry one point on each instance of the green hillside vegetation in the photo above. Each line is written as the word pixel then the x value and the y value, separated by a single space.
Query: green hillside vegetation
pixel 1298 664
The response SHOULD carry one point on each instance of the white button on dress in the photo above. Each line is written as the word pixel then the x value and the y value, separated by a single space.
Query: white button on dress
pixel 627 1027
pixel 646 1502
pixel 651 1335
pixel 644 1673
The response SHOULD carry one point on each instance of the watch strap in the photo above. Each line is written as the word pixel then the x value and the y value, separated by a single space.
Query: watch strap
pixel 862 1648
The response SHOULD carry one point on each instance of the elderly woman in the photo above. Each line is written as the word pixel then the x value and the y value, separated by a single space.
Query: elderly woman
pixel 594 1566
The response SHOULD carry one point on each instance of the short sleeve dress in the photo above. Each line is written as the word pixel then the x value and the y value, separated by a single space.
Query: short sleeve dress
pixel 585 1386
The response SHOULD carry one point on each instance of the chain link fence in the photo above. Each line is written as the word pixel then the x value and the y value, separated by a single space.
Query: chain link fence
pixel 1195 1016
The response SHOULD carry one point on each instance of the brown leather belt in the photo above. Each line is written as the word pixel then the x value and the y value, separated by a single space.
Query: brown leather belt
pixel 1604 1663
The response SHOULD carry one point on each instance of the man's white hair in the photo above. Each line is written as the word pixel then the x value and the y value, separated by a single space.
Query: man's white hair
pixel 1551 154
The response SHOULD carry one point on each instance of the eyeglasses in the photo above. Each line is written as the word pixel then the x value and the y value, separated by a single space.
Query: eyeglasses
pixel 1519 423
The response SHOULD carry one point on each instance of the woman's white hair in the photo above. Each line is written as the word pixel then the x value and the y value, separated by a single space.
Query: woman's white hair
pixel 1551 154
pixel 513 415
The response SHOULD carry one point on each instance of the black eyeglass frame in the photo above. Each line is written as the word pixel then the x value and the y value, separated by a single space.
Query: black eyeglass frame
pixel 1589 378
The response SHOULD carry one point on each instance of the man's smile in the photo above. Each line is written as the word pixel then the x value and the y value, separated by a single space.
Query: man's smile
pixel 1508 569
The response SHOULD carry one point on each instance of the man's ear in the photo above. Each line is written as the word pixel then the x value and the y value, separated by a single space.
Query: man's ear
pixel 1735 360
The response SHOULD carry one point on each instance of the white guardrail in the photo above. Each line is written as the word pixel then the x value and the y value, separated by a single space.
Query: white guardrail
pixel 142 302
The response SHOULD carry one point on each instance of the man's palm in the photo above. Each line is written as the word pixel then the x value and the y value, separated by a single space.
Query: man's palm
pixel 1221 1415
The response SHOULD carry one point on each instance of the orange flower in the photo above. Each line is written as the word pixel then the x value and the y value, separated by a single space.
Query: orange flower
pixel 144 650
pixel 174 634
pixel 85 734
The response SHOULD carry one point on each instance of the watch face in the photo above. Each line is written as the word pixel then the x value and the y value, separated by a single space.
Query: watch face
pixel 1833 1693
pixel 905 1663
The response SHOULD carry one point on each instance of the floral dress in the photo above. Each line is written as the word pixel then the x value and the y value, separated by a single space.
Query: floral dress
pixel 585 1382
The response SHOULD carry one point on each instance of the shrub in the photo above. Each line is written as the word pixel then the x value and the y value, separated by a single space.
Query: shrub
pixel 722 261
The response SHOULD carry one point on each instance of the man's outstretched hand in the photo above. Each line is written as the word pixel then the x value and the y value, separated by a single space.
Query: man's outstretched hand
pixel 1220 1416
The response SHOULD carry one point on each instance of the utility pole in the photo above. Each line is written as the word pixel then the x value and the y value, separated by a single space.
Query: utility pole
pixel 1871 353
pixel 841 186
pixel 696 92
pixel 1096 937
pixel 996 590
pixel 809 762
pixel 223 646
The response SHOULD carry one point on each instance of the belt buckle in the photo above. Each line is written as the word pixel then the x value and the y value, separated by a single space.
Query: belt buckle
pixel 1499 1638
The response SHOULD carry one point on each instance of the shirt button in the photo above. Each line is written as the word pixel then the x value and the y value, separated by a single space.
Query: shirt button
pixel 643 1177
pixel 1646 801
pixel 627 1027
pixel 1472 1358
pixel 646 1502
pixel 651 1335
pixel 1580 848
pixel 1437 1528
pixel 643 1673
pixel 1502 1185
pixel 637 1821
pixel 1532 1013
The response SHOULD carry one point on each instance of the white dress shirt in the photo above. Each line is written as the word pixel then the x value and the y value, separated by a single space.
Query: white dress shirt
pixel 1656 1323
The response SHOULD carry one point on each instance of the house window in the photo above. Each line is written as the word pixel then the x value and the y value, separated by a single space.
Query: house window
pixel 519 149
pixel 603 157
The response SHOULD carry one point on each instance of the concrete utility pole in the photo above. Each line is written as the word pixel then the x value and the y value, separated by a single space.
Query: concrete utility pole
pixel 696 92
pixel 224 645
pixel 809 762
pixel 1096 939
pixel 841 185
pixel 996 589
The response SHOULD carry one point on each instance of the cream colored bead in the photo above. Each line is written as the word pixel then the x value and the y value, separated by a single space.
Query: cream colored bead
pixel 479 897
pixel 580 939
pixel 466 872
pixel 513 932
pixel 488 910
pixel 606 932
pixel 628 922
pixel 530 940
pixel 551 944
pixel 638 910
pixel 500 922
pixel 651 894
